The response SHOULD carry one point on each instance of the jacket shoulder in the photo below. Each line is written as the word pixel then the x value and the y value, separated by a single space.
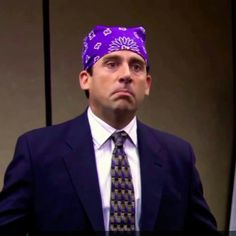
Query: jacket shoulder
pixel 54 138
pixel 163 137
pixel 55 130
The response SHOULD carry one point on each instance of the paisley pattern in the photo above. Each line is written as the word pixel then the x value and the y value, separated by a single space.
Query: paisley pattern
pixel 103 40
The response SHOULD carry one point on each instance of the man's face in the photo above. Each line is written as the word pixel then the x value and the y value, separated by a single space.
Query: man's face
pixel 119 83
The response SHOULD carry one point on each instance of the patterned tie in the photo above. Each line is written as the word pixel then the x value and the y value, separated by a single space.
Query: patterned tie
pixel 122 205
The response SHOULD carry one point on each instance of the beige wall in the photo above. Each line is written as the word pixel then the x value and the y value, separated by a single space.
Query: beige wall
pixel 189 44
pixel 21 73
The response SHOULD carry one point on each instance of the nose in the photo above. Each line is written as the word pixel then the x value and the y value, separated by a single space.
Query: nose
pixel 125 74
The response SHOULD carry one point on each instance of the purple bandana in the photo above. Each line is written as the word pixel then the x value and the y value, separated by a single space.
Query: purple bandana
pixel 103 40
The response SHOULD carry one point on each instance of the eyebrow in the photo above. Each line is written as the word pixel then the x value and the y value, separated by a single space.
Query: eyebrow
pixel 113 57
pixel 116 57
pixel 137 60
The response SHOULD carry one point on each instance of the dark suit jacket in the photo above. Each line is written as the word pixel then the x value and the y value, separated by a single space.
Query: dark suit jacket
pixel 52 182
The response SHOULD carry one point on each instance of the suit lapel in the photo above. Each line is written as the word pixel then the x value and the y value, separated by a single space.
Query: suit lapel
pixel 151 166
pixel 81 166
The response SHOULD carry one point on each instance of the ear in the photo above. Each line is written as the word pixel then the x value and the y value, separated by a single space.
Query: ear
pixel 148 84
pixel 84 80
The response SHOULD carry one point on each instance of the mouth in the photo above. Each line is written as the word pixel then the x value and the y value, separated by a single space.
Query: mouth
pixel 123 92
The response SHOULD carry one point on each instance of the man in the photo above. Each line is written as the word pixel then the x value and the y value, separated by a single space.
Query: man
pixel 105 170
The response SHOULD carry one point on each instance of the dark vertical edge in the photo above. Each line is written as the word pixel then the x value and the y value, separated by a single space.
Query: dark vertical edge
pixel 47 62
pixel 233 163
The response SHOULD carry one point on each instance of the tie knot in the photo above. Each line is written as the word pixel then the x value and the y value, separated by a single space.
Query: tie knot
pixel 119 138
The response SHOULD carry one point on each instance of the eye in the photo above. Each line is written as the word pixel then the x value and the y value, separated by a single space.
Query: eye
pixel 137 67
pixel 111 64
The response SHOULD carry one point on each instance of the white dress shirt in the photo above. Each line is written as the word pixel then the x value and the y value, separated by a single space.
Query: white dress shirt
pixel 103 147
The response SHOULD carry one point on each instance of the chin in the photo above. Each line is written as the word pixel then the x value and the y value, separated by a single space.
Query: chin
pixel 123 105
pixel 125 108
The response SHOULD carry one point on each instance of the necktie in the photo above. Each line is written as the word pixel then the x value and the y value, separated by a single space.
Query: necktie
pixel 122 204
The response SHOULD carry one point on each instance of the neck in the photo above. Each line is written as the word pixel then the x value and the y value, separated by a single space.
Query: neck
pixel 117 119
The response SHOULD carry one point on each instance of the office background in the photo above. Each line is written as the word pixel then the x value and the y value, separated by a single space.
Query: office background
pixel 190 49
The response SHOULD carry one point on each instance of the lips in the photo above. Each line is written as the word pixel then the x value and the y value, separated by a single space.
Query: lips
pixel 123 92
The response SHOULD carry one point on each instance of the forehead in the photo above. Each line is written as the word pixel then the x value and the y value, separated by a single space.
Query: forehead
pixel 123 55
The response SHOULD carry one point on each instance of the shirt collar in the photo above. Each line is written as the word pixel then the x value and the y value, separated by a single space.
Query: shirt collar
pixel 101 131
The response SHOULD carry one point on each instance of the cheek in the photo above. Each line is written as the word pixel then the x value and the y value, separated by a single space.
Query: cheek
pixel 141 88
pixel 100 86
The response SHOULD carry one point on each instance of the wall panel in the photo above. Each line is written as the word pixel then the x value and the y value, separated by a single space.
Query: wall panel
pixel 21 73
